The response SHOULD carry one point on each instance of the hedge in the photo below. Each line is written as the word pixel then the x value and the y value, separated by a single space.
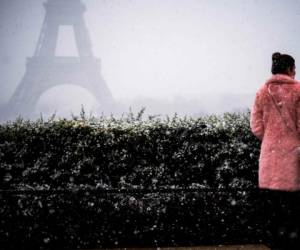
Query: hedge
pixel 106 182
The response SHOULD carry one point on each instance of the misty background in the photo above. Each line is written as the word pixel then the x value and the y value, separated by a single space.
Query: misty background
pixel 192 57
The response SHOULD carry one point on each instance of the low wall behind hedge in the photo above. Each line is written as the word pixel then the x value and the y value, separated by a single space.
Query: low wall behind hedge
pixel 53 174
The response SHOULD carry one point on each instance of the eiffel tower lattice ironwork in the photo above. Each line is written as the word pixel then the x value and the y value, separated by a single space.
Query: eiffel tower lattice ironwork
pixel 45 70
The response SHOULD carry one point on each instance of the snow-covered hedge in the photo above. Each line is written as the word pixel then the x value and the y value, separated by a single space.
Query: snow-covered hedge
pixel 129 182
pixel 209 152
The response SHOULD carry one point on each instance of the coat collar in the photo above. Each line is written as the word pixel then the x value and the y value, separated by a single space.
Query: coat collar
pixel 281 79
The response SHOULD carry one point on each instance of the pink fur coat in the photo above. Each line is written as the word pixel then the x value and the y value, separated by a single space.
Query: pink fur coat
pixel 279 161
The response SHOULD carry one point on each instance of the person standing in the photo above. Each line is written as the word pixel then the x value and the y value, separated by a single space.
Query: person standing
pixel 275 120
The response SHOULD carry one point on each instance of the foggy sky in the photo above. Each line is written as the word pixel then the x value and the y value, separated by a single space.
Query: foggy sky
pixel 165 50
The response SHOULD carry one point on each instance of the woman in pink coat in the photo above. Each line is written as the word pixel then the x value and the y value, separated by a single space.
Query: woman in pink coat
pixel 275 120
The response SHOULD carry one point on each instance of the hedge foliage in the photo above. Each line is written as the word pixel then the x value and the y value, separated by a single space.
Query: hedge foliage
pixel 58 169
pixel 210 152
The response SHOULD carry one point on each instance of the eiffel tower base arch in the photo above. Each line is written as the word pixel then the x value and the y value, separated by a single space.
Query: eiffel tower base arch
pixel 43 73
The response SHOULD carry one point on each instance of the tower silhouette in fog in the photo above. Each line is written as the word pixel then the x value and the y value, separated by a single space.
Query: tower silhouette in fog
pixel 46 70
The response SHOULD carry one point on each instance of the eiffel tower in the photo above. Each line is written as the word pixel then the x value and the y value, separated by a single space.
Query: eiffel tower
pixel 45 70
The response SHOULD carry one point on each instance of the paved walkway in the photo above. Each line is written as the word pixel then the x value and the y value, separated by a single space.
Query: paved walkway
pixel 219 247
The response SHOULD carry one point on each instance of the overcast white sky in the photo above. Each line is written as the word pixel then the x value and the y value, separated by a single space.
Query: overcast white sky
pixel 187 47
pixel 164 49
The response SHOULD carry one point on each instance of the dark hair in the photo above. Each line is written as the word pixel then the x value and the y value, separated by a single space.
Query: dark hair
pixel 281 63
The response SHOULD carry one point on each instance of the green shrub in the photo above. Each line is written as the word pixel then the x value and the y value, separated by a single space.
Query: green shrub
pixel 83 183
pixel 211 152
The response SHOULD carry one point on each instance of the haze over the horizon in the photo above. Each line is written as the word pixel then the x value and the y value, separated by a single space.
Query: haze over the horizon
pixel 161 50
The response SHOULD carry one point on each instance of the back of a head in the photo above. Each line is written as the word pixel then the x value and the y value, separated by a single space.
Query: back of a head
pixel 281 63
